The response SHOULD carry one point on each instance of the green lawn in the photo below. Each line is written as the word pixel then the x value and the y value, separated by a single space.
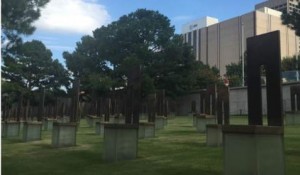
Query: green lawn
pixel 177 149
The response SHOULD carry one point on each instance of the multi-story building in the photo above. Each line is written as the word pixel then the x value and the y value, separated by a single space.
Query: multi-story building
pixel 280 5
pixel 222 43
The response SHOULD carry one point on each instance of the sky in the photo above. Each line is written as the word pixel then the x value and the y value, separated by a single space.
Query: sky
pixel 63 22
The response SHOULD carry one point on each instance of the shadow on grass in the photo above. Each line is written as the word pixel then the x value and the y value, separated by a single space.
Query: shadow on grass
pixel 45 145
pixel 12 140
pixel 91 134
pixel 179 132
pixel 86 126
pixel 186 126
pixel 194 144
pixel 187 171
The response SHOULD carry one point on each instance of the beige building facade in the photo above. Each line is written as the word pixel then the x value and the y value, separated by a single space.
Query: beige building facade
pixel 222 43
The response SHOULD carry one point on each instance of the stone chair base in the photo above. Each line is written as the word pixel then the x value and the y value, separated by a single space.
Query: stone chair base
pixel 146 130
pixel 194 120
pixel 160 122
pixel 253 150
pixel 91 120
pixel 214 135
pixel 99 128
pixel 48 124
pixel 32 131
pixel 64 134
pixel 117 120
pixel 292 118
pixel 202 121
pixel 120 142
pixel 10 129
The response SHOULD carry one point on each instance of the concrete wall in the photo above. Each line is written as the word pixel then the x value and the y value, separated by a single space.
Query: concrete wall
pixel 238 100
pixel 268 23
pixel 213 45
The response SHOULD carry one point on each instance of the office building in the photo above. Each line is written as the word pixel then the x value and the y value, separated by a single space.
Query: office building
pixel 280 5
pixel 222 43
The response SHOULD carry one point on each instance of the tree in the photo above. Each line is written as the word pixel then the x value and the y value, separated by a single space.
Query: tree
pixel 147 37
pixel 85 59
pixel 234 74
pixel 292 19
pixel 34 68
pixel 176 70
pixel 29 71
pixel 85 63
pixel 144 37
pixel 17 17
pixel 141 34
pixel 290 63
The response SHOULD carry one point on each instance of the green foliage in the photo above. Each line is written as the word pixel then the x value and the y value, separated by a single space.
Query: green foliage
pixel 290 63
pixel 97 84
pixel 144 38
pixel 136 38
pixel 234 74
pixel 85 59
pixel 148 86
pixel 17 17
pixel 34 68
pixel 292 20
pixel 206 76
pixel 176 70
pixel 85 63
pixel 141 33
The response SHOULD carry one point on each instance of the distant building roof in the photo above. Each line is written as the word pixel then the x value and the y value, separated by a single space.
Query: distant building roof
pixel 199 23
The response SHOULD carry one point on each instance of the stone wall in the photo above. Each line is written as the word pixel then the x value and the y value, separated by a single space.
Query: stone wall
pixel 238 100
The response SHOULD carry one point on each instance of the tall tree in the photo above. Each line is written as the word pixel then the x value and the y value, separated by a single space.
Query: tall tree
pixel 140 34
pixel 144 37
pixel 137 37
pixel 147 38
pixel 86 64
pixel 176 70
pixel 292 19
pixel 17 17
pixel 34 68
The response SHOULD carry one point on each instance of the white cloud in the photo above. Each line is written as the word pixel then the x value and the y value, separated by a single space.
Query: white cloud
pixel 72 16
pixel 60 47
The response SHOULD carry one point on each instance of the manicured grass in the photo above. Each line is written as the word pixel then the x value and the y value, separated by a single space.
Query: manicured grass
pixel 177 149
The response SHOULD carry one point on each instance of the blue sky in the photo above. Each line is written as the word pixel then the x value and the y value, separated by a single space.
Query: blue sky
pixel 64 22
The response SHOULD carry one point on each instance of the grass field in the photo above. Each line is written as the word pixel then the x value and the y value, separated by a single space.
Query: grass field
pixel 177 149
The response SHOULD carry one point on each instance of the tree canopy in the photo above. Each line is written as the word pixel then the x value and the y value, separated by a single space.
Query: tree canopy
pixel 234 74
pixel 17 17
pixel 143 37
pixel 34 68
pixel 142 33
pixel 290 63
pixel 86 64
